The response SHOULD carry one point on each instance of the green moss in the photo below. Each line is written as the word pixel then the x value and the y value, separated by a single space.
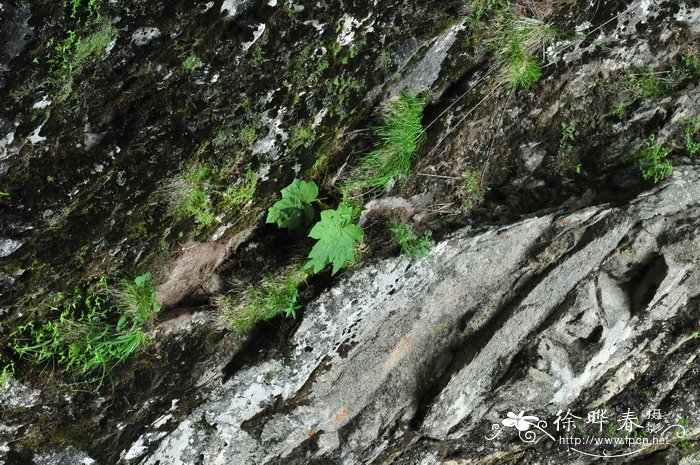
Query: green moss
pixel 240 194
pixel 93 46
pixel 7 372
pixel 73 53
pixel 301 136
pixel 256 56
pixel 320 165
pixel 248 135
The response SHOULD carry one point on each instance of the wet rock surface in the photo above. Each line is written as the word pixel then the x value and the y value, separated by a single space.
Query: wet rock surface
pixel 561 279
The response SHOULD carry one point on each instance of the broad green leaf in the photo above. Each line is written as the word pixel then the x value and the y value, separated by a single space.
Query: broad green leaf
pixel 143 279
pixel 294 209
pixel 337 237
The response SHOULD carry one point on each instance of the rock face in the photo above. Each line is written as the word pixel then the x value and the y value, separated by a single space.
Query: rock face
pixel 414 362
pixel 148 137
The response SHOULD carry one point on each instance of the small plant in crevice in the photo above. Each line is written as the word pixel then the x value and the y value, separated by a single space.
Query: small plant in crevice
pixel 650 160
pixel 563 162
pixel 276 295
pixel 337 237
pixel 192 62
pixel 94 333
pixel 301 136
pixel 78 7
pixel 478 10
pixel 336 234
pixel 471 191
pixel 413 246
pixel 691 60
pixel 191 197
pixel 7 372
pixel 647 83
pixel 400 136
pixel 568 136
pixel 691 135
pixel 294 209
pixel 74 51
pixel 516 43
pixel 642 83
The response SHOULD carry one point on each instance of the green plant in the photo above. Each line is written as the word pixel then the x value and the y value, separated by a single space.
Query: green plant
pixel 645 82
pixel 8 371
pixel 294 209
pixel 336 235
pixel 256 56
pixel 85 341
pixel 620 108
pixel 568 135
pixel 477 10
pixel 76 6
pixel 400 137
pixel 137 300
pixel 412 246
pixel 194 201
pixel 523 72
pixel 276 295
pixel 685 440
pixel 93 45
pixel 72 53
pixel 4 194
pixel 301 136
pixel 241 193
pixel 247 136
pixel 691 134
pixel 192 62
pixel 649 160
pixel 471 192
pixel 515 43
pixel 691 60
pixel 61 51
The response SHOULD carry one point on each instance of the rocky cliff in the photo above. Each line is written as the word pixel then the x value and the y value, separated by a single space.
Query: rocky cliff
pixel 556 169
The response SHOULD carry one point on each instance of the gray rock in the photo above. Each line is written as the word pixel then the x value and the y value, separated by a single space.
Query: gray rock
pixel 356 381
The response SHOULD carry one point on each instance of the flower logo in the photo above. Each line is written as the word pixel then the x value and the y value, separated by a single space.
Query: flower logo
pixel 520 421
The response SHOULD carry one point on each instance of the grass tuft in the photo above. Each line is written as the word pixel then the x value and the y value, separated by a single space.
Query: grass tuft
pixel 191 195
pixel 472 191
pixel 276 295
pixel 412 246
pixel 516 42
pixel 400 137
